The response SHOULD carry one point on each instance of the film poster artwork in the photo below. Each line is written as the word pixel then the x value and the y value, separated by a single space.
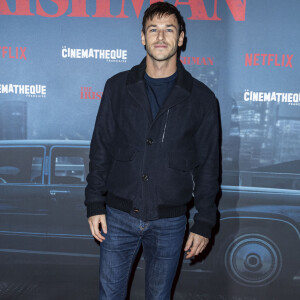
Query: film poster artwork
pixel 54 64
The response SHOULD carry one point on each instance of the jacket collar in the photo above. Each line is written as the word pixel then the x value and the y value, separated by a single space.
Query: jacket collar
pixel 136 87
pixel 184 78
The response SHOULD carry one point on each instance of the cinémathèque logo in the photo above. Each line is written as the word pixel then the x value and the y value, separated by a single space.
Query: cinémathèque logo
pixel 109 55
pixel 277 97
pixel 28 90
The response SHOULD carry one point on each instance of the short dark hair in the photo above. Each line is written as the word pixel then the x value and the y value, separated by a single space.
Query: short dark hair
pixel 162 8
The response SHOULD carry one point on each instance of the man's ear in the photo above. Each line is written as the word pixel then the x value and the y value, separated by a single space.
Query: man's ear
pixel 181 39
pixel 143 38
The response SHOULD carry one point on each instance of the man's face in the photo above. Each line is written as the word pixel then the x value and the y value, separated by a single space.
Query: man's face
pixel 162 37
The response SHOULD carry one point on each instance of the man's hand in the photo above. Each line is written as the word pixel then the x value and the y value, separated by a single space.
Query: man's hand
pixel 195 244
pixel 94 222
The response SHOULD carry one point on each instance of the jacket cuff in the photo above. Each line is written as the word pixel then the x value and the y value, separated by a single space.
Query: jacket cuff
pixel 93 209
pixel 202 228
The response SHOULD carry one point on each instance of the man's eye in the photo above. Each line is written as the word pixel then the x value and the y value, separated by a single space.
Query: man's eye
pixel 152 30
pixel 169 30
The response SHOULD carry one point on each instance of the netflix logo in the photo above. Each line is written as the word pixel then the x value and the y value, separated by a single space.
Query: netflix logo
pixel 13 52
pixel 87 93
pixel 257 59
pixel 200 61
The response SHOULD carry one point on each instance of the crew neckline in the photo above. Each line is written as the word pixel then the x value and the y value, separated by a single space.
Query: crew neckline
pixel 160 80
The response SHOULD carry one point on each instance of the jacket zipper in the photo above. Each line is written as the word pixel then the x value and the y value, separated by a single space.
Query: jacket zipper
pixel 163 136
pixel 193 183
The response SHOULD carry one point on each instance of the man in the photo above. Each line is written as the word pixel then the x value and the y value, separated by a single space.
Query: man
pixel 155 144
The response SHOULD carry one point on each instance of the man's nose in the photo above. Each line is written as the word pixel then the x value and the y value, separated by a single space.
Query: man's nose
pixel 161 34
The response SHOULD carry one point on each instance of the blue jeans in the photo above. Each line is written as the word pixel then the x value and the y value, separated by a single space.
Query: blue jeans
pixel 162 242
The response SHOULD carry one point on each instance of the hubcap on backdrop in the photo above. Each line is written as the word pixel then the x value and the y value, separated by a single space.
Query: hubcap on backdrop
pixel 253 260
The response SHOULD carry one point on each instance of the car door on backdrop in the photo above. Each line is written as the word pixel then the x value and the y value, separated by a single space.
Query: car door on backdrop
pixel 67 223
pixel 23 199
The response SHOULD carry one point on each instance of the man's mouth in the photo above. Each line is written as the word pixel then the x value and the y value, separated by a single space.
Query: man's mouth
pixel 160 46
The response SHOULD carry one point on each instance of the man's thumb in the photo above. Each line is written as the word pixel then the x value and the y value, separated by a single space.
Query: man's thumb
pixel 103 225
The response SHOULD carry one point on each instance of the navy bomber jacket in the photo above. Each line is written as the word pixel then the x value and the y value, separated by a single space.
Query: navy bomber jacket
pixel 140 165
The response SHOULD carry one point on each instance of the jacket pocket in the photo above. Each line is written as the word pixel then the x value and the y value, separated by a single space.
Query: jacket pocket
pixel 175 185
pixel 122 179
pixel 183 160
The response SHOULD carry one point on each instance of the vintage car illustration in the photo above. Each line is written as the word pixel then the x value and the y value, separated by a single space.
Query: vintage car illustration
pixel 43 218
pixel 257 224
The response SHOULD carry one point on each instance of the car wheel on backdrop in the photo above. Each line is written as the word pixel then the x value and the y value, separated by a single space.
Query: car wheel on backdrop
pixel 254 258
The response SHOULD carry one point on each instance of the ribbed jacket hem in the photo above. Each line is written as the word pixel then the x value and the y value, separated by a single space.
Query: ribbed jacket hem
pixel 167 211
pixel 202 228
pixel 164 211
pixel 119 202
pixel 96 208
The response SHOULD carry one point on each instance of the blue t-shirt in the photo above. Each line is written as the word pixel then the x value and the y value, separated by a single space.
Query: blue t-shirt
pixel 158 89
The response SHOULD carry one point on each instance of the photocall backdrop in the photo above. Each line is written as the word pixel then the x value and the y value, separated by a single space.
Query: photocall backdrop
pixel 55 57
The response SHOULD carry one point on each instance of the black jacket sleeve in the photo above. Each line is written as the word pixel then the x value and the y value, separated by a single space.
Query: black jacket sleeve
pixel 206 174
pixel 100 157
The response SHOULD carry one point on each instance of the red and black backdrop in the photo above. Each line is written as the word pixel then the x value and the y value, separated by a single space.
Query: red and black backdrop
pixel 55 56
